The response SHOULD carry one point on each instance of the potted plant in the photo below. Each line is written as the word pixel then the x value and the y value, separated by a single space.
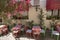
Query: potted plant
pixel 30 24
pixel 41 16
pixel 49 17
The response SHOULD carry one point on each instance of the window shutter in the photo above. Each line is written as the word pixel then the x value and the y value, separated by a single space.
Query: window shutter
pixel 36 2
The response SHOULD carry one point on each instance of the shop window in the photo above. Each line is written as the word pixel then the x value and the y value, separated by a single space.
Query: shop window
pixel 36 2
pixel 53 14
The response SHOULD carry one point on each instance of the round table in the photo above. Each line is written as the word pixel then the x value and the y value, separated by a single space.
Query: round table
pixel 3 29
pixel 36 31
pixel 16 32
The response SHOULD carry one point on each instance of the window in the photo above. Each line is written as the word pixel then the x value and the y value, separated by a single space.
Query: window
pixel 53 14
pixel 35 2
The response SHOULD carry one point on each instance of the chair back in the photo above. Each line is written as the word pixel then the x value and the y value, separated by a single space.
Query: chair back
pixel 25 28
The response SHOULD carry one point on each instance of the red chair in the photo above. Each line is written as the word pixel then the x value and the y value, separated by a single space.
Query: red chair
pixel 25 28
pixel 27 31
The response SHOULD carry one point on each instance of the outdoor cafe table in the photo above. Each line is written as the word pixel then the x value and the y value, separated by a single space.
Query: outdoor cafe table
pixel 3 29
pixel 36 31
pixel 16 32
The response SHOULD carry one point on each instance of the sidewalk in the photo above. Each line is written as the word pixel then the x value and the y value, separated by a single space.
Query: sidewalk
pixel 10 37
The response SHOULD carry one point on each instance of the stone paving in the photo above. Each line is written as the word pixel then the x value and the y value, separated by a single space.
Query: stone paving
pixel 10 37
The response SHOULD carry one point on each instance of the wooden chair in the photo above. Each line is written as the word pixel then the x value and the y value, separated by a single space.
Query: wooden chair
pixel 28 31
pixel 25 28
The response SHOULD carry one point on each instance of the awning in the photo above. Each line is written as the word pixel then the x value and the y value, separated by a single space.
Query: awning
pixel 52 4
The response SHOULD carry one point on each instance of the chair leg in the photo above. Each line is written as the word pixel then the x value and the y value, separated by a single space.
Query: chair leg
pixel 58 37
pixel 38 36
pixel 44 34
pixel 33 36
pixel 51 35
pixel 30 34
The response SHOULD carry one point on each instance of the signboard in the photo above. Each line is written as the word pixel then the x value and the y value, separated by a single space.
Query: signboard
pixel 53 4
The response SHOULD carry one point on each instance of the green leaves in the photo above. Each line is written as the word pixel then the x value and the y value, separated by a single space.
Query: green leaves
pixel 41 16
pixel 5 6
pixel 30 23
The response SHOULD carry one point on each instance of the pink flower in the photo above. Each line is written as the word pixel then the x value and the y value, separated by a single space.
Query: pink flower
pixel 20 8
pixel 13 1
pixel 15 12
pixel 9 15
pixel 20 12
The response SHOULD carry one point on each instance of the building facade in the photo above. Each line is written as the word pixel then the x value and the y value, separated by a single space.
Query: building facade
pixel 33 14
